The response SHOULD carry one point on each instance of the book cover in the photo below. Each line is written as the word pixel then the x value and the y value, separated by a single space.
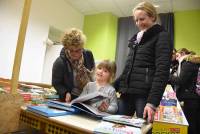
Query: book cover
pixel 90 110
pixel 51 96
pixel 126 120
pixel 61 105
pixel 47 111
pixel 89 96
pixel 168 102
pixel 105 127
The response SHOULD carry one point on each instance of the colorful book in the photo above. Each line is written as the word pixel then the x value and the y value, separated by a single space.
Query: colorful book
pixel 105 127
pixel 47 111
pixel 51 96
pixel 168 102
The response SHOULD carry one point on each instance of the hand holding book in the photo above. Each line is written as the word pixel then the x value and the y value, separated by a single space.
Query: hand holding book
pixel 68 97
pixel 103 107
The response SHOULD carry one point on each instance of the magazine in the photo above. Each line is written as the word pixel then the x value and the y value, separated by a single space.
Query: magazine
pixel 105 127
pixel 81 104
pixel 126 120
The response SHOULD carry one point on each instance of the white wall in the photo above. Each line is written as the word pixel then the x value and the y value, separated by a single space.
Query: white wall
pixel 44 13
pixel 10 13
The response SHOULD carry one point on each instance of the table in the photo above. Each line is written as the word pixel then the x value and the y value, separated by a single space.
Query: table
pixel 72 124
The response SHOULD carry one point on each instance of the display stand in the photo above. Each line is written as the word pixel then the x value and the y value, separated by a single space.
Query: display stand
pixel 169 117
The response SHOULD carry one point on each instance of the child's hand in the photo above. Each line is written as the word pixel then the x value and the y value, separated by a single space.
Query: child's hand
pixel 103 107
pixel 68 97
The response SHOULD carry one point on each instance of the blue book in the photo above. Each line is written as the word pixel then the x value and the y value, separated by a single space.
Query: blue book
pixel 47 111
pixel 62 106
pixel 168 102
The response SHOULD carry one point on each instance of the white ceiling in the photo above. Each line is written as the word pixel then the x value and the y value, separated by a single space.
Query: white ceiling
pixel 123 8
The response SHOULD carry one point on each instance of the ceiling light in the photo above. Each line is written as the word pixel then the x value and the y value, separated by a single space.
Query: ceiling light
pixel 156 6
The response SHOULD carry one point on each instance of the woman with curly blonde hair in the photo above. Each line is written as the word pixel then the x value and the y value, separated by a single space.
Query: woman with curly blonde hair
pixel 73 68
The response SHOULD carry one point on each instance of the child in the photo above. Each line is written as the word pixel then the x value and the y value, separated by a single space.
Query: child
pixel 104 74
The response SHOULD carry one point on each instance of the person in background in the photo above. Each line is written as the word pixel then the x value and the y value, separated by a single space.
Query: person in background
pixel 186 81
pixel 174 63
pixel 72 70
pixel 147 68
pixel 104 75
pixel 173 68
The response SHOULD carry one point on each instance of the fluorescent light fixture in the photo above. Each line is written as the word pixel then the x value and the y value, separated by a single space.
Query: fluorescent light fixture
pixel 156 6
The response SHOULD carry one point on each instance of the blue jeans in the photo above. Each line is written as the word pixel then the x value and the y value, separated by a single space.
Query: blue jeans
pixel 131 103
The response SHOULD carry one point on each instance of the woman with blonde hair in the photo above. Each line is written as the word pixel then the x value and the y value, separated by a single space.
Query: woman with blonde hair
pixel 147 68
pixel 72 70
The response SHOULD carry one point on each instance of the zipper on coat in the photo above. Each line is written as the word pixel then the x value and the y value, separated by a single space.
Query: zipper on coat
pixel 147 75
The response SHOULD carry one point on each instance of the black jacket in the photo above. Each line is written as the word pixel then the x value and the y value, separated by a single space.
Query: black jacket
pixel 62 73
pixel 186 81
pixel 147 67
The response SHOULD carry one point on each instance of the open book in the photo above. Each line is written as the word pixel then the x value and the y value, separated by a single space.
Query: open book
pixel 82 104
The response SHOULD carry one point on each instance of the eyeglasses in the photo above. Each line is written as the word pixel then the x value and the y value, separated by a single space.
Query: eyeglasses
pixel 75 50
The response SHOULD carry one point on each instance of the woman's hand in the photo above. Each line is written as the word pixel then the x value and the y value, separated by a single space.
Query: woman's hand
pixel 103 107
pixel 149 113
pixel 68 97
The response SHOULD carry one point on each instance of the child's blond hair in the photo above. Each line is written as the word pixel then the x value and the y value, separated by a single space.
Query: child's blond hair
pixel 110 66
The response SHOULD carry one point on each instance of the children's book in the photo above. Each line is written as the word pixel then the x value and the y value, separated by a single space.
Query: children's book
pixel 105 127
pixel 81 104
pixel 61 105
pixel 90 110
pixel 168 102
pixel 47 111
pixel 126 120
pixel 88 97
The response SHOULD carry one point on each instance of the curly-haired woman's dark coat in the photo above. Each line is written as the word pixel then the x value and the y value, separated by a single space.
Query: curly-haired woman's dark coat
pixel 62 72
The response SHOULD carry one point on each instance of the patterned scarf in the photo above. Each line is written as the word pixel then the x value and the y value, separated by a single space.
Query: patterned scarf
pixel 81 74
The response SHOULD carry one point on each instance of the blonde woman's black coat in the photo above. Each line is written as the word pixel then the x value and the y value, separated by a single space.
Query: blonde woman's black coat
pixel 147 66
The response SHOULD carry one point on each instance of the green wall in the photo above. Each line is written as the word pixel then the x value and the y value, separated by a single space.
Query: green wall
pixel 101 32
pixel 187 30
